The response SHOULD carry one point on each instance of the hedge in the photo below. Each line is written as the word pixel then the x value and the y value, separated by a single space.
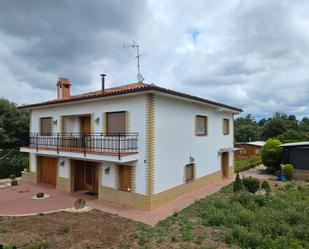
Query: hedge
pixel 11 162
pixel 245 164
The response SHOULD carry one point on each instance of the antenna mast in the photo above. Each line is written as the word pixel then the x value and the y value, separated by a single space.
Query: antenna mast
pixel 134 45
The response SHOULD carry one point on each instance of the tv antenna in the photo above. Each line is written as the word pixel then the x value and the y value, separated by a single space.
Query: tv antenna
pixel 134 45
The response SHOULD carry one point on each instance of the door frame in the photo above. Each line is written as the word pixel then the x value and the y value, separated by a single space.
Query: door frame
pixel 83 163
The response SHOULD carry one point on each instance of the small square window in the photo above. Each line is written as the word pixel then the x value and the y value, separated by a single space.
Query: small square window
pixel 201 124
pixel 226 126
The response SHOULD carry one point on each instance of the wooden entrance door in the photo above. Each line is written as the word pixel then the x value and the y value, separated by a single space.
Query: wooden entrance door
pixel 78 175
pixel 85 124
pixel 86 176
pixel 224 164
pixel 91 176
pixel 48 168
pixel 125 177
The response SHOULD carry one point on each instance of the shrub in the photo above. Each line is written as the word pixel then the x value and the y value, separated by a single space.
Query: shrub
pixel 12 177
pixel 271 153
pixel 238 186
pixel 63 230
pixel 13 182
pixel 288 171
pixel 11 163
pixel 40 195
pixel 266 186
pixel 251 184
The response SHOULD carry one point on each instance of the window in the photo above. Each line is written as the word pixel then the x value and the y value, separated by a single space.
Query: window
pixel 201 124
pixel 189 172
pixel 226 126
pixel 116 122
pixel 46 126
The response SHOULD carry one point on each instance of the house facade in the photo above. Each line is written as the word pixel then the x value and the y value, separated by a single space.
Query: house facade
pixel 138 144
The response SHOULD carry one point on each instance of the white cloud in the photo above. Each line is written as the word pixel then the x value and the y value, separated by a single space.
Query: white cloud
pixel 250 54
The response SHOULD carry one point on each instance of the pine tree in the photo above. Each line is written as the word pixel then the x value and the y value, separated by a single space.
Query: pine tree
pixel 238 186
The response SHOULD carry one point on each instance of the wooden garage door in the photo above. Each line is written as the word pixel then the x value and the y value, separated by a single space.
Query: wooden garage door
pixel 48 170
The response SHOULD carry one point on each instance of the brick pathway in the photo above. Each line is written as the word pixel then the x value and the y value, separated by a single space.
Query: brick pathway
pixel 17 200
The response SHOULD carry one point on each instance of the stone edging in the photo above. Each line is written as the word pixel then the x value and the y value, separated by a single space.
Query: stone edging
pixel 36 198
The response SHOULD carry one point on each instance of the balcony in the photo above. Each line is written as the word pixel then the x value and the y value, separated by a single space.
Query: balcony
pixel 99 144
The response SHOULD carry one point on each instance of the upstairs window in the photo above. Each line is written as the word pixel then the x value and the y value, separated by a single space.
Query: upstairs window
pixel 46 126
pixel 201 124
pixel 116 122
pixel 226 126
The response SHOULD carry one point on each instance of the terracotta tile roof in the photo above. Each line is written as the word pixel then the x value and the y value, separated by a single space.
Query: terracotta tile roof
pixel 126 89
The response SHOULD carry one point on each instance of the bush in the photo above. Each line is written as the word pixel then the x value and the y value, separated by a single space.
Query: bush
pixel 288 171
pixel 271 153
pixel 11 163
pixel 251 184
pixel 14 182
pixel 266 186
pixel 237 186
pixel 40 195
pixel 12 177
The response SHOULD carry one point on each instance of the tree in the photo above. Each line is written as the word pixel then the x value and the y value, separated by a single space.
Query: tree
pixel 271 153
pixel 13 124
pixel 246 129
pixel 292 136
pixel 274 127
pixel 304 125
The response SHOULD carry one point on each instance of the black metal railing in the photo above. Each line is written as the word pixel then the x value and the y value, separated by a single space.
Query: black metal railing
pixel 86 143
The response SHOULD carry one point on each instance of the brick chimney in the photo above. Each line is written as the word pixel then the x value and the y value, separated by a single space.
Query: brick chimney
pixel 63 88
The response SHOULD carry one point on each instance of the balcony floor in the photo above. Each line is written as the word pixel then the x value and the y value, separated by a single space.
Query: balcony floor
pixel 101 155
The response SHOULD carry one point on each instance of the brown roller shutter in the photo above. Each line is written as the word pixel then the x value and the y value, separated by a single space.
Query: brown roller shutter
pixel 46 126
pixel 116 122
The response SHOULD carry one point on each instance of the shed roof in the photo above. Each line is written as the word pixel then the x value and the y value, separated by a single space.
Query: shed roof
pixel 305 143
pixel 255 143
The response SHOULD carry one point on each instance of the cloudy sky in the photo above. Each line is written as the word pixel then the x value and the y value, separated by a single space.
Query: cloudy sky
pixel 250 54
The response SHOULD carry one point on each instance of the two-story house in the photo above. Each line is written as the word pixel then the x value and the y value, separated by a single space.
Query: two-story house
pixel 137 144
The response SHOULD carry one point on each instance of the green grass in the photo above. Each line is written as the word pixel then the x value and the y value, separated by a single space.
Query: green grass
pixel 245 164
pixel 279 220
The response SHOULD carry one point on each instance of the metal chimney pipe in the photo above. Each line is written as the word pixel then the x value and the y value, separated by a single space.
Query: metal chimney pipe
pixel 103 81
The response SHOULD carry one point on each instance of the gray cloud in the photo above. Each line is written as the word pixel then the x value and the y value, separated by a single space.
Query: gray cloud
pixel 251 54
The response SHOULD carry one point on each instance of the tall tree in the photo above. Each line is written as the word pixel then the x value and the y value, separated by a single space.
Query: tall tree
pixel 246 129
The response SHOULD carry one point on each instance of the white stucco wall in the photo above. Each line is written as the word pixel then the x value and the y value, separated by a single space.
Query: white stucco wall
pixel 175 141
pixel 33 162
pixel 108 180
pixel 135 105
pixel 64 169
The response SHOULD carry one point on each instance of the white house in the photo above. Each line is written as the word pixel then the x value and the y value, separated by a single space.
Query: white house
pixel 137 144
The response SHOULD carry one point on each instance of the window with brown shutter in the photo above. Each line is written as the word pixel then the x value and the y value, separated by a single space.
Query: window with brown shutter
pixel 189 172
pixel 201 128
pixel 116 122
pixel 226 126
pixel 46 126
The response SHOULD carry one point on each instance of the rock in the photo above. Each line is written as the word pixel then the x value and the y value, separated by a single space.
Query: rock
pixel 79 204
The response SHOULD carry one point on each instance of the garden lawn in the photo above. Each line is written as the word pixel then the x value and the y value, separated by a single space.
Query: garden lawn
pixel 223 220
